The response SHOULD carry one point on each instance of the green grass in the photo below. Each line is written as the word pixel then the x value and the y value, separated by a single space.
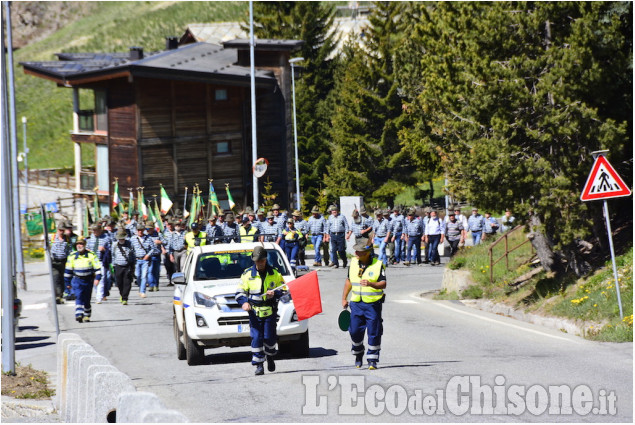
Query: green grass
pixel 595 300
pixel 592 299
pixel 107 27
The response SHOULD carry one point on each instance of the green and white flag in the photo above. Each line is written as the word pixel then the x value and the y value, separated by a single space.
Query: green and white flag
pixel 143 210
pixel 116 199
pixel 229 197
pixel 157 215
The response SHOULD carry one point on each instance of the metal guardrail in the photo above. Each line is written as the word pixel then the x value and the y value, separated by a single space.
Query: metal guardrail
pixel 504 238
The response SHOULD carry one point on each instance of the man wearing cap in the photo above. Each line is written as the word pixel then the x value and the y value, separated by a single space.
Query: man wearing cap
pixel 61 245
pixel 356 226
pixel 248 232
pixel 336 229
pixel 82 272
pixel 280 218
pixel 366 282
pixel 507 221
pixel 435 230
pixel 177 248
pixel 397 234
pixel 390 244
pixel 270 232
pixel 168 234
pixel 367 223
pixel 154 267
pixel 413 227
pixel 142 246
pixel 131 225
pixel 380 230
pixel 231 231
pixel 491 226
pixel 213 230
pixel 100 244
pixel 454 233
pixel 459 217
pixel 303 227
pixel 317 228
pixel 257 295
pixel 123 260
pixel 476 224
pixel 260 220
pixel 195 237
pixel 291 242
pixel 426 219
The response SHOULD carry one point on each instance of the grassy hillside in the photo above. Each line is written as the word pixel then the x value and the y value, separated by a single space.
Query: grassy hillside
pixel 109 27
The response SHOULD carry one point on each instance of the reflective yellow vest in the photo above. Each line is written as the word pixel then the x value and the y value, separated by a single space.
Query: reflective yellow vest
pixel 82 265
pixel 365 294
pixel 190 240
pixel 252 287
pixel 247 236
pixel 292 235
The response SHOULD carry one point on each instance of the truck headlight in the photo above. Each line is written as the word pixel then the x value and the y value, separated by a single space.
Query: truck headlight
pixel 202 300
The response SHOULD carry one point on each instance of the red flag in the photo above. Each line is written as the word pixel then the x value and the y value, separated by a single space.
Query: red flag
pixel 305 292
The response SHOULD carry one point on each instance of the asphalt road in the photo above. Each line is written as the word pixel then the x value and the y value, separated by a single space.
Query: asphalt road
pixel 440 362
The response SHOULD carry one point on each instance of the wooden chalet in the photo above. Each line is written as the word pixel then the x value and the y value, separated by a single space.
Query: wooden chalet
pixel 181 116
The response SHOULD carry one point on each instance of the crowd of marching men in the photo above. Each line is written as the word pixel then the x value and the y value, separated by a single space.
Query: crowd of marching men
pixel 133 249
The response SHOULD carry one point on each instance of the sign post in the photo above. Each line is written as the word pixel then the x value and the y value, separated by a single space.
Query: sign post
pixel 604 183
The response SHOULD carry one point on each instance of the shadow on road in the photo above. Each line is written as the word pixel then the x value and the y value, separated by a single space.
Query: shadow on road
pixel 27 346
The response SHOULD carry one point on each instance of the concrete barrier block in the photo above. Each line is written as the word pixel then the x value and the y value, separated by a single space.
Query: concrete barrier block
pixel 63 340
pixel 91 392
pixel 145 407
pixel 85 369
pixel 107 387
pixel 75 350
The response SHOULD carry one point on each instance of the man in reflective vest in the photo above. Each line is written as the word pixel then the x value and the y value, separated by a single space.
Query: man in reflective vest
pixel 195 237
pixel 256 295
pixel 366 283
pixel 248 232
pixel 83 270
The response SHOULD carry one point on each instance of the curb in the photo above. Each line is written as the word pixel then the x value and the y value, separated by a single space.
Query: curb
pixel 564 325
pixel 91 390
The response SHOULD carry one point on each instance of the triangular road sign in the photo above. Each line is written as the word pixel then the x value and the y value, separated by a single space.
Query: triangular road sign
pixel 603 182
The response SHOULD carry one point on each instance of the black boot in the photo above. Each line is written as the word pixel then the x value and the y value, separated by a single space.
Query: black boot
pixel 260 370
pixel 271 366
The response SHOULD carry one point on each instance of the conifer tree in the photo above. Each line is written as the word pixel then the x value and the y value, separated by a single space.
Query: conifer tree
pixel 513 97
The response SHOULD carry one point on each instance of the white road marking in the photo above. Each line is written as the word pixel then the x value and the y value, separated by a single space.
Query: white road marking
pixel 405 301
pixel 35 306
pixel 500 322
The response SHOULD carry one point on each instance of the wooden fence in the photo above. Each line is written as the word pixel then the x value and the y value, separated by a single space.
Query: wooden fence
pixel 504 239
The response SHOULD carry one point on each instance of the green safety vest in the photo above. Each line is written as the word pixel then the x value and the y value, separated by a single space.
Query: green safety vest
pixel 190 240
pixel 365 294
pixel 247 236
pixel 252 287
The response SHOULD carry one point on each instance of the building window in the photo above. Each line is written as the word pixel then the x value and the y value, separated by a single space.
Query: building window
pixel 223 148
pixel 220 94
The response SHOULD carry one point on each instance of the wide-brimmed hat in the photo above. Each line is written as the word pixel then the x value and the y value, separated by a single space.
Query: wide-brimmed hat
pixel 315 210
pixel 260 253
pixel 363 245
pixel 275 207
pixel 270 215
pixel 121 234
pixel 333 208
pixel 140 226
pixel 362 210
pixel 297 213
pixel 81 241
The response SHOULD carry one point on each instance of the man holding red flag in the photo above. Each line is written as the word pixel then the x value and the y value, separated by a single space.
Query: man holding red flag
pixel 366 281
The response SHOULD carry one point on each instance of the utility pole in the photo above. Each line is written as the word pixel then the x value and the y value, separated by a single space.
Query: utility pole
pixel 7 269
pixel 26 165
pixel 17 233
pixel 254 141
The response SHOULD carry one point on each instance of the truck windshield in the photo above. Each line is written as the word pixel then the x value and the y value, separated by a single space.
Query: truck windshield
pixel 232 264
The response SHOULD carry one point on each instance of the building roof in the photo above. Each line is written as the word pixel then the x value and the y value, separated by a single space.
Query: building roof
pixel 215 33
pixel 265 44
pixel 203 62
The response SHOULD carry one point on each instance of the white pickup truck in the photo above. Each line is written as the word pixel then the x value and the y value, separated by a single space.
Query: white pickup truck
pixel 206 314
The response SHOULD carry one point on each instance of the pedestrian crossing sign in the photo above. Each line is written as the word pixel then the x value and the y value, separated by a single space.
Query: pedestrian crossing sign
pixel 603 182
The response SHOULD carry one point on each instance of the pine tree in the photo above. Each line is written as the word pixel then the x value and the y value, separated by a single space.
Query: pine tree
pixel 368 115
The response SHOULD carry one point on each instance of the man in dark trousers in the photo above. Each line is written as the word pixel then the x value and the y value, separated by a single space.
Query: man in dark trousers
pixel 256 295
pixel 365 282
pixel 124 262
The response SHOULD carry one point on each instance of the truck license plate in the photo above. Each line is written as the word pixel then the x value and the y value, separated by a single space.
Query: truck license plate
pixel 243 328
